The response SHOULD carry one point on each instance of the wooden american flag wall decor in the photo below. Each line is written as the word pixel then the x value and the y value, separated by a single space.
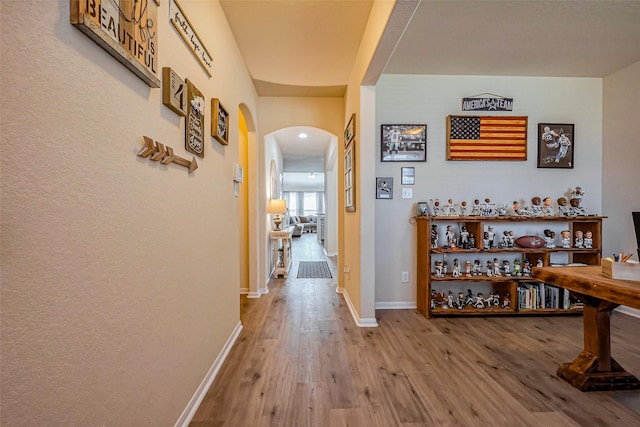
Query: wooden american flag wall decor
pixel 487 138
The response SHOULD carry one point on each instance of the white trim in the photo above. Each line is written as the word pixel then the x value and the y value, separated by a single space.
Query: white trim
pixel 244 291
pixel 396 305
pixel 363 323
pixel 331 254
pixel 196 400
pixel 629 311
pixel 254 294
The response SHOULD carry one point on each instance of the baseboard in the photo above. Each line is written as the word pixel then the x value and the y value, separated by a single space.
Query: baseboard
pixel 361 322
pixel 254 294
pixel 244 291
pixel 196 400
pixel 396 305
pixel 628 310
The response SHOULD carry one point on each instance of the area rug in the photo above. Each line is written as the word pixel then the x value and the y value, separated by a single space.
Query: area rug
pixel 314 270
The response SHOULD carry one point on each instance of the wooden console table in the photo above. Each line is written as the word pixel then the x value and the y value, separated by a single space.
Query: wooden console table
pixel 281 251
pixel 594 368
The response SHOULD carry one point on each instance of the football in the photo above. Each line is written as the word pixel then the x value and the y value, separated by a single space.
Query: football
pixel 531 242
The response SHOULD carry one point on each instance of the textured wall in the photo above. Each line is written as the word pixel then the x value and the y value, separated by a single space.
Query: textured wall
pixel 120 276
pixel 428 100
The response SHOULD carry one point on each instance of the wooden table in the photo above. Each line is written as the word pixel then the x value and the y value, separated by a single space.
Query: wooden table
pixel 594 368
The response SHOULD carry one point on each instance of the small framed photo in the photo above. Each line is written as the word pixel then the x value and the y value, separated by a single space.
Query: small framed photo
pixel 555 145
pixel 350 131
pixel 408 176
pixel 403 143
pixel 219 122
pixel 384 188
pixel 349 180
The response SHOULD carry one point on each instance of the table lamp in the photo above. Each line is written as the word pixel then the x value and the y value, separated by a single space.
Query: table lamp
pixel 277 207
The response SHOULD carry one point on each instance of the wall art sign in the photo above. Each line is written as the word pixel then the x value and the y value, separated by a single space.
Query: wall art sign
pixel 219 122
pixel 182 24
pixel 555 145
pixel 349 179
pixel 403 143
pixel 487 102
pixel 486 138
pixel 174 92
pixel 194 126
pixel 384 188
pixel 350 131
pixel 126 29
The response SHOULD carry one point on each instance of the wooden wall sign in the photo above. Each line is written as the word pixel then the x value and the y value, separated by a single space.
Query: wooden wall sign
pixel 194 126
pixel 219 122
pixel 174 92
pixel 163 154
pixel 127 29
pixel 487 102
pixel 182 24
pixel 486 138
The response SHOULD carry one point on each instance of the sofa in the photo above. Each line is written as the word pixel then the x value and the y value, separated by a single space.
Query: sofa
pixel 307 224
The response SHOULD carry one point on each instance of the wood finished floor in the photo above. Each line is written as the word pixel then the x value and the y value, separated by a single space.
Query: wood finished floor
pixel 301 361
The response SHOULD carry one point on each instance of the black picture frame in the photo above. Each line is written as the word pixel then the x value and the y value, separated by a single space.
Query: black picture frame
pixel 219 122
pixel 403 143
pixel 384 188
pixel 350 131
pixel 556 145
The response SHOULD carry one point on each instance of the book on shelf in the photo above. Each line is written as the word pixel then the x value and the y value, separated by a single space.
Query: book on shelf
pixel 537 296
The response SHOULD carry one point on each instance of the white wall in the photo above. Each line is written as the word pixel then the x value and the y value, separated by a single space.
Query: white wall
pixel 119 275
pixel 403 99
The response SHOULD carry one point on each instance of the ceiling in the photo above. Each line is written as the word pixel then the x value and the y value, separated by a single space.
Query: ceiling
pixel 307 47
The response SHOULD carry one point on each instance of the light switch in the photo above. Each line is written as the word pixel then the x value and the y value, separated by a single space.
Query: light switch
pixel 407 193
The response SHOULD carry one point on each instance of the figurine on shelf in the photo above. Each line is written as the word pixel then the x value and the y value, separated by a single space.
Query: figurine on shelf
pixel 547 206
pixel 536 206
pixel 487 209
pixel 489 268
pixel 548 238
pixel 472 241
pixel 451 237
pixel 496 267
pixel 456 268
pixel 577 194
pixel 506 301
pixel 477 269
pixel 434 299
pixel 486 240
pixel 576 209
pixel 516 208
pixel 463 208
pixel 490 237
pixel 467 268
pixel 505 239
pixel 517 268
pixel 563 209
pixel 477 209
pixel 495 298
pixel 469 298
pixel 526 267
pixel 450 208
pixel 434 236
pixel 460 301
pixel 579 242
pixel 512 239
pixel 464 238
pixel 450 299
pixel 479 301
pixel 439 269
pixel 445 265
pixel 436 209
pixel 566 238
pixel 540 262
pixel 443 301
pixel 506 268
pixel 502 210
pixel 588 239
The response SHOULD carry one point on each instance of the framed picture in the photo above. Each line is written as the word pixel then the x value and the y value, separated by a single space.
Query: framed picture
pixel 384 188
pixel 350 131
pixel 219 122
pixel 555 145
pixel 194 126
pixel 349 179
pixel 408 176
pixel 403 143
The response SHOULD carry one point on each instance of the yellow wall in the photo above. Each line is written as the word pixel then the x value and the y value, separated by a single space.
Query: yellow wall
pixel 120 275
pixel 243 202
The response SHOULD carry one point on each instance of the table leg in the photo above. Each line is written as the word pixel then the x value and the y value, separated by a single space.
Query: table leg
pixel 594 368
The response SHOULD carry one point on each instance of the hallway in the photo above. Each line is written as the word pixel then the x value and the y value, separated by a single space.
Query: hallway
pixel 300 361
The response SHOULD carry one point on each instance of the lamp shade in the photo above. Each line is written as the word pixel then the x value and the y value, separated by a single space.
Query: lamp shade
pixel 277 206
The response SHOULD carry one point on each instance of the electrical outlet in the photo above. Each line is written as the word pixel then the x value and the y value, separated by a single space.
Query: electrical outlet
pixel 407 193
pixel 405 277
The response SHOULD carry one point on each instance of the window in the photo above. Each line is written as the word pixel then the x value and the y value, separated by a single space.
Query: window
pixel 292 202
pixel 309 204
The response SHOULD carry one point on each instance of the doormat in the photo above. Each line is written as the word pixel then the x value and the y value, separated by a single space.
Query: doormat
pixel 314 270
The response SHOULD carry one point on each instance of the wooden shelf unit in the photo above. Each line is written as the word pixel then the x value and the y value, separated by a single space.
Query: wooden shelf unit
pixel 476 225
